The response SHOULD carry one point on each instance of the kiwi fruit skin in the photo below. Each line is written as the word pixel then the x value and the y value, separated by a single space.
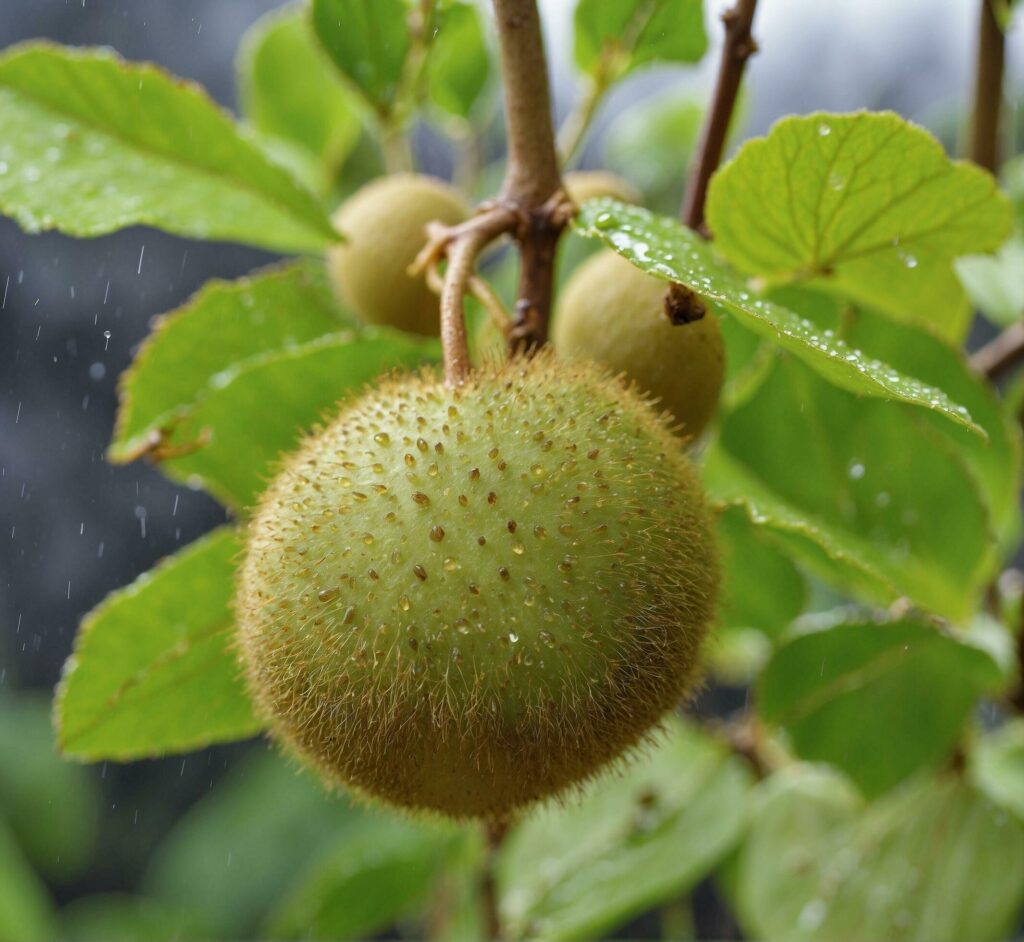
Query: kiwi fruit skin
pixel 583 185
pixel 384 224
pixel 463 601
pixel 612 312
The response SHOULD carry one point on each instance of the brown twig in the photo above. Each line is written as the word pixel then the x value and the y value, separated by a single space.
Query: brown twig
pixel 1000 354
pixel 988 89
pixel 531 205
pixel 532 182
pixel 494 832
pixel 738 47
pixel 461 244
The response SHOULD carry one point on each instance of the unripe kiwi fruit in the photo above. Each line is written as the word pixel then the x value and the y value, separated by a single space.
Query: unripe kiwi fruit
pixel 583 185
pixel 467 600
pixel 612 312
pixel 384 224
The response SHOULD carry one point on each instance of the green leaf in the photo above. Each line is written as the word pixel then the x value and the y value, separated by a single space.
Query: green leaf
pixel 224 324
pixel 153 671
pixel 750 615
pixel 92 143
pixel 232 440
pixel 458 61
pixel 632 842
pixel 622 36
pixel 857 505
pixel 290 90
pixel 995 283
pixel 50 805
pixel 932 861
pixel 761 587
pixel 231 856
pixel 995 463
pixel 997 766
pixel 26 913
pixel 667 249
pixel 866 202
pixel 368 42
pixel 118 917
pixel 877 700
pixel 381 870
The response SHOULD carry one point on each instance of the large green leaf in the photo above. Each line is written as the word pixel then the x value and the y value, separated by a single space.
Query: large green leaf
pixel 867 202
pixel 631 843
pixel 119 917
pixel 458 61
pixel 853 487
pixel 995 463
pixel 92 143
pixel 368 43
pixel 878 700
pixel 761 588
pixel 233 854
pixel 26 912
pixel 224 324
pixel 997 766
pixel 153 671
pixel 665 248
pixel 381 870
pixel 630 33
pixel 762 592
pixel 933 861
pixel 290 90
pixel 50 805
pixel 257 410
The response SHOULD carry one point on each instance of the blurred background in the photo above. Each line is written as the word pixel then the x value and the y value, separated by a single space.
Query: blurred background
pixel 73 528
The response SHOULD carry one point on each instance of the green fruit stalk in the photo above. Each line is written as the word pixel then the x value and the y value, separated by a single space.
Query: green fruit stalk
pixel 385 228
pixel 467 600
pixel 612 312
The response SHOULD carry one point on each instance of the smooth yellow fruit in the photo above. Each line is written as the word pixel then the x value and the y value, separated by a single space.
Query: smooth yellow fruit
pixel 385 225
pixel 583 185
pixel 612 312
pixel 468 600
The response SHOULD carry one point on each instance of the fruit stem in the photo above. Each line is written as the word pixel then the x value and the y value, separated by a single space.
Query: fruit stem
pixel 533 182
pixel 739 46
pixel 988 89
pixel 494 834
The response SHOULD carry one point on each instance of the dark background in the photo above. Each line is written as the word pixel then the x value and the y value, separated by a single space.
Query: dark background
pixel 73 528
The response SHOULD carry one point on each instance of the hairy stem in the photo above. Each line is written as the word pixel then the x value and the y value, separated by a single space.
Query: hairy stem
pixel 532 183
pixel 494 832
pixel 738 47
pixel 988 89
pixel 461 263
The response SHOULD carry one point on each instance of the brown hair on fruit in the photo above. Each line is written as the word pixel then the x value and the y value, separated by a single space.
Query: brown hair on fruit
pixel 384 224
pixel 467 600
pixel 614 313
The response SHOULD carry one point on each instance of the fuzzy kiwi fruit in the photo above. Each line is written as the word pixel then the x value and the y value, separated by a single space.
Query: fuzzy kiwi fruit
pixel 612 312
pixel 385 227
pixel 467 600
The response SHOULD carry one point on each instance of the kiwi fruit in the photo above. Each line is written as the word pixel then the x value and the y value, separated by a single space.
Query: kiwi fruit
pixel 583 185
pixel 384 224
pixel 465 600
pixel 612 312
